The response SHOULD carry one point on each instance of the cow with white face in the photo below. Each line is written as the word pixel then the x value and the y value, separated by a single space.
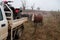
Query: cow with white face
pixel 37 18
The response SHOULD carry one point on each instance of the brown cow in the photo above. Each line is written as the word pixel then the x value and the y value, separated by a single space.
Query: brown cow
pixel 38 18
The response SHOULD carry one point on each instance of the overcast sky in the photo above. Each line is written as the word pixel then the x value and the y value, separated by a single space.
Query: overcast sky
pixel 43 4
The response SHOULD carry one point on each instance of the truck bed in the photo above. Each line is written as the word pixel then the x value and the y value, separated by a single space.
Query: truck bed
pixel 18 22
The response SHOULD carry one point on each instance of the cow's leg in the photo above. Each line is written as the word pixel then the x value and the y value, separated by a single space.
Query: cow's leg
pixel 35 27
pixel 41 22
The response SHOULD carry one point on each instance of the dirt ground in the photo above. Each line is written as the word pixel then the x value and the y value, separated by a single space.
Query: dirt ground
pixel 50 30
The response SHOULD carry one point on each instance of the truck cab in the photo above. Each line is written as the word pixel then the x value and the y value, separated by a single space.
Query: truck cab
pixel 3 25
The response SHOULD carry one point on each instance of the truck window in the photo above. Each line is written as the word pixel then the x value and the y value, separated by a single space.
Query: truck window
pixel 1 16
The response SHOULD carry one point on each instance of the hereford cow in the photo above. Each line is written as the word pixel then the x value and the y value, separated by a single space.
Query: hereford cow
pixel 38 18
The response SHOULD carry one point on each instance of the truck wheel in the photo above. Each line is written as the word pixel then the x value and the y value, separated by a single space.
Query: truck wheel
pixel 15 35
pixel 20 31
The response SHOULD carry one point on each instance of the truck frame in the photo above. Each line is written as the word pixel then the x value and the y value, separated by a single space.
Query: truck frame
pixel 15 27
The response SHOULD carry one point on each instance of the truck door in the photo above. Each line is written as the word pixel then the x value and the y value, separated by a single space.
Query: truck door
pixel 3 25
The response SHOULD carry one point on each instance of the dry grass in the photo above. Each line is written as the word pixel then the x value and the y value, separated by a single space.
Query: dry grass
pixel 49 31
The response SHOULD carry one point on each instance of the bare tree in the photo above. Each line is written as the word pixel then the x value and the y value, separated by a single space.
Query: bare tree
pixel 23 4
pixel 58 10
pixel 38 8
pixel 33 6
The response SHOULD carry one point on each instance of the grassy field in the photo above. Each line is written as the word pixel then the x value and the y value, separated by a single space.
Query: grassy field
pixel 50 30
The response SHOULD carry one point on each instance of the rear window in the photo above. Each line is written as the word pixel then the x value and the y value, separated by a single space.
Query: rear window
pixel 1 16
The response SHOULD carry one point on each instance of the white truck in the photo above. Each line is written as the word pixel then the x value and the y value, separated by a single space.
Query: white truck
pixel 10 29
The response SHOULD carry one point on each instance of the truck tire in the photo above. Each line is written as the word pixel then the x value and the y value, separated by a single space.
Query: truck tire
pixel 15 37
pixel 20 31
